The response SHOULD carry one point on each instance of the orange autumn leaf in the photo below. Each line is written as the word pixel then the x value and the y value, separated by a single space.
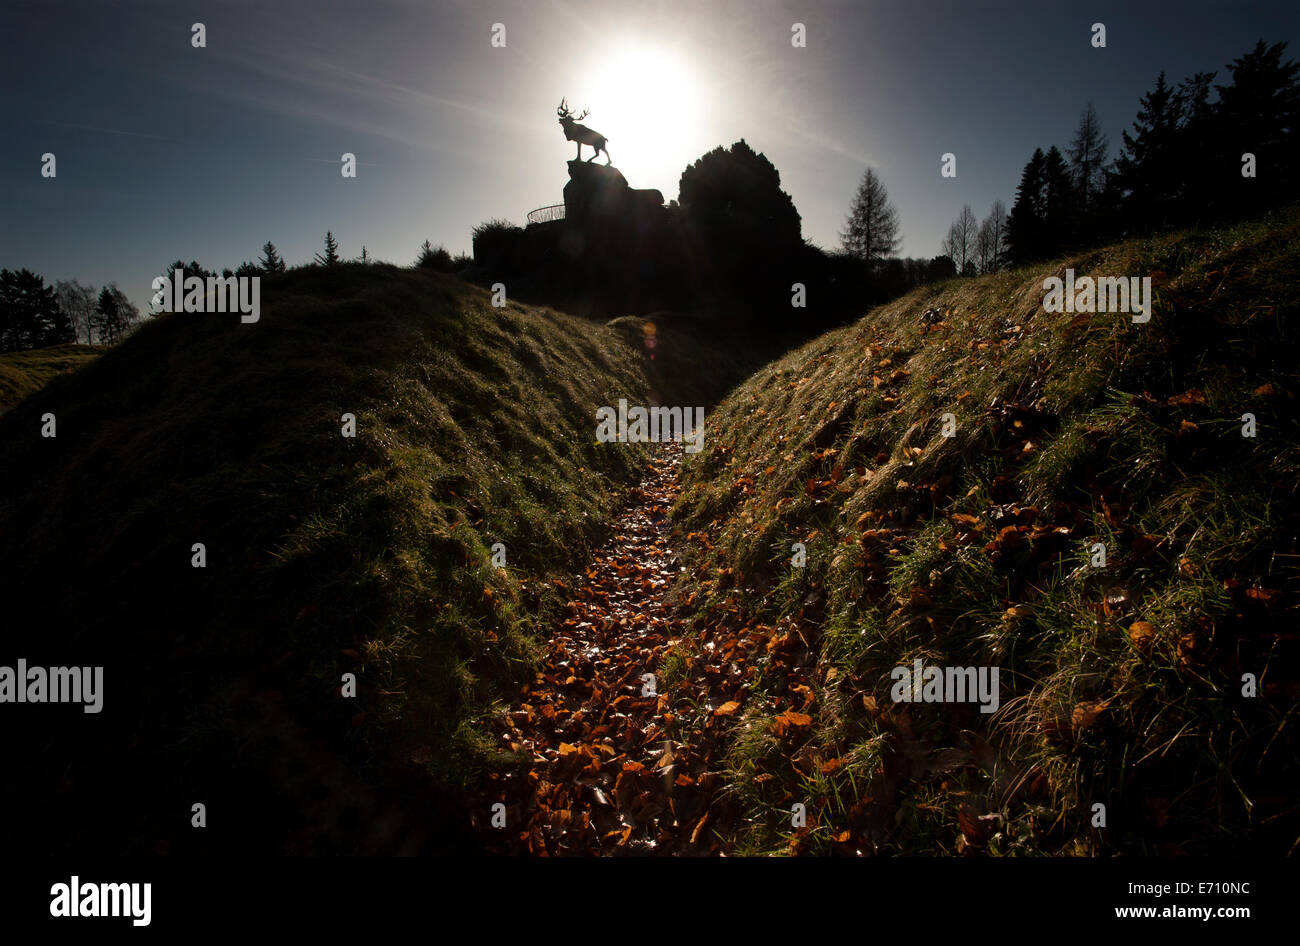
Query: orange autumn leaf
pixel 727 709
pixel 1142 634
pixel 1086 713
pixel 791 720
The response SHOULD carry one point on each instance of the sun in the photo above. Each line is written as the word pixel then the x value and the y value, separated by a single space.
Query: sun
pixel 650 106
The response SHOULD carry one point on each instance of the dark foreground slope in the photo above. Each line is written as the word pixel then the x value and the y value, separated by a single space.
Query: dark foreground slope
pixel 1125 685
pixel 325 555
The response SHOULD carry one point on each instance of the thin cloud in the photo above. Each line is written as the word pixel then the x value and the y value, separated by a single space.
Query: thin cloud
pixel 832 146
pixel 370 99
pixel 106 131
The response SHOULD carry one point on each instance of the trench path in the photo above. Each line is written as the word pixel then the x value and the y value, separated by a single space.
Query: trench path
pixel 618 765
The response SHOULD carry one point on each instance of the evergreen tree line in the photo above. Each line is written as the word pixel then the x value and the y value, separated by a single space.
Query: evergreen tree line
pixel 1199 153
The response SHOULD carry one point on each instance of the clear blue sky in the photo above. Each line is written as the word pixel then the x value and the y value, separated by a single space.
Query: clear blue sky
pixel 168 151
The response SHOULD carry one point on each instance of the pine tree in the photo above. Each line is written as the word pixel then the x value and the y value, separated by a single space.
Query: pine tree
pixel 1259 112
pixel 271 261
pixel 1146 172
pixel 1087 157
pixel 30 315
pixel 871 231
pixel 1195 166
pixel 107 317
pixel 1060 207
pixel 1025 226
pixel 192 268
pixel 115 313
pixel 331 255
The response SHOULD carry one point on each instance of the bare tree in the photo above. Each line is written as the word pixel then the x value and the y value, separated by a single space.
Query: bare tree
pixel 871 231
pixel 959 244
pixel 991 244
pixel 78 302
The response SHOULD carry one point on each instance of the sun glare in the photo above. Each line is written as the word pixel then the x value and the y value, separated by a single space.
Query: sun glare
pixel 649 105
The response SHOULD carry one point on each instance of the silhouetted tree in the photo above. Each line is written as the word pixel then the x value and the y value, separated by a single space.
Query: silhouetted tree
pixel 496 244
pixel 749 249
pixel 30 316
pixel 192 268
pixel 1259 112
pixel 991 243
pixel 941 267
pixel 115 313
pixel 734 197
pixel 432 257
pixel 78 304
pixel 1060 204
pixel 1146 168
pixel 1087 158
pixel 1196 166
pixel 271 261
pixel 1027 221
pixel 331 255
pixel 959 244
pixel 871 232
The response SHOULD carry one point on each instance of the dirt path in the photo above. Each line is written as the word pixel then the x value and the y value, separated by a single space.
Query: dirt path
pixel 616 768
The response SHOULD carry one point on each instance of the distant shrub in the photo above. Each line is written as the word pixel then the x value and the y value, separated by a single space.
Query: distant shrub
pixel 434 257
pixel 495 241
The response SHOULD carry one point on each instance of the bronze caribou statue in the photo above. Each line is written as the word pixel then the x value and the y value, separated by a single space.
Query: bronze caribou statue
pixel 581 133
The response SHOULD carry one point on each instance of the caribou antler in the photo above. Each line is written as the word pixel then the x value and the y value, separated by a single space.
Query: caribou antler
pixel 564 112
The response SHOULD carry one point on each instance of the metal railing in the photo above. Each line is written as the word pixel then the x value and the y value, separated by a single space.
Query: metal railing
pixel 546 214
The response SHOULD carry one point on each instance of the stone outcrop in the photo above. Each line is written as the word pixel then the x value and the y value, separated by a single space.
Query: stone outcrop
pixel 600 193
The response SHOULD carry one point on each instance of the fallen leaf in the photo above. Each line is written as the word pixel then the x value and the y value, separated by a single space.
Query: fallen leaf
pixel 1086 713
pixel 1142 634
